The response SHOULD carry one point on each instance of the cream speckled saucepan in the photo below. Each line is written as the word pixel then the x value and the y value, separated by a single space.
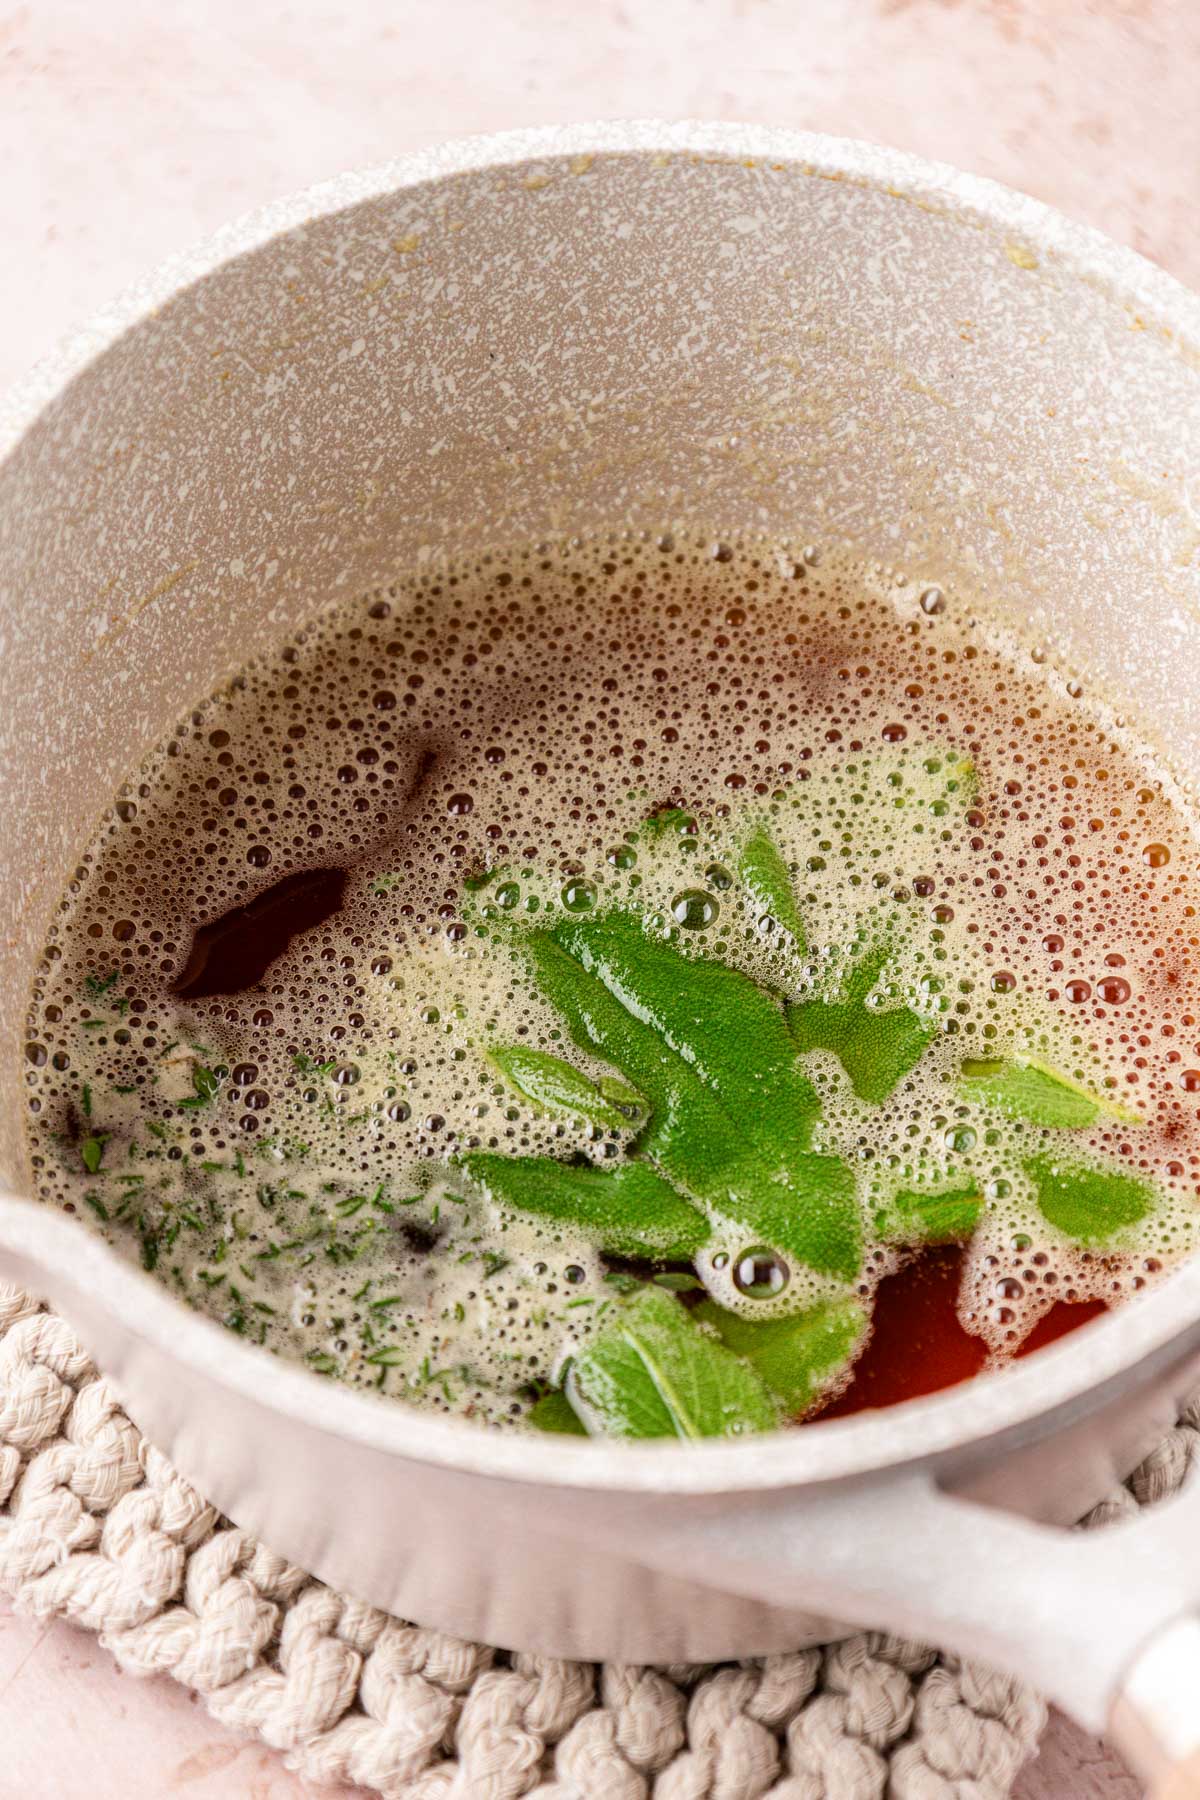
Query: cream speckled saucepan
pixel 636 325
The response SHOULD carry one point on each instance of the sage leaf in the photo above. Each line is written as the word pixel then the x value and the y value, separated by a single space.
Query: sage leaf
pixel 947 1218
pixel 549 1081
pixel 628 1211
pixel 1024 1087
pixel 765 876
pixel 91 1151
pixel 731 1112
pixel 877 1047
pixel 623 1281
pixel 205 1087
pixel 799 1357
pixel 655 1372
pixel 554 1412
pixel 625 1098
pixel 1086 1203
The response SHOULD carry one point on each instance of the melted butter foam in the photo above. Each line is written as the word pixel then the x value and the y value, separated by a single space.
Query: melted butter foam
pixel 525 714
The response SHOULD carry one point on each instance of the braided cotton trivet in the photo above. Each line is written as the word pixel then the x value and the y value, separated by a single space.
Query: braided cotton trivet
pixel 96 1527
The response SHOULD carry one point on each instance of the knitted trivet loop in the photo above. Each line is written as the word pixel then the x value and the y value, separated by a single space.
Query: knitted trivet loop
pixel 96 1527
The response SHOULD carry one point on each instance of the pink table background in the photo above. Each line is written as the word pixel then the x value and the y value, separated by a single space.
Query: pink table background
pixel 128 129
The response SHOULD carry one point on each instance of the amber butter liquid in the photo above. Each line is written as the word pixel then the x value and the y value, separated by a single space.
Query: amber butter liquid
pixel 257 1042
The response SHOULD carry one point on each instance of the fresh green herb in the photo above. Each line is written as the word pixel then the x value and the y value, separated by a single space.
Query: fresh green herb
pixel 876 1047
pixel 765 876
pixel 100 984
pixel 131 1088
pixel 626 1099
pixel 298 1243
pixel 945 1218
pixel 1024 1087
pixel 321 1363
pixel 91 1151
pixel 205 1087
pixel 797 1357
pixel 628 1210
pixel 732 1114
pixel 97 1205
pixel 655 1372
pixel 85 1101
pixel 622 1281
pixel 92 1024
pixel 304 1065
pixel 442 1376
pixel 549 1081
pixel 493 1262
pixel 340 1252
pixel 155 1128
pixel 1088 1204
pixel 148 1237
pixel 554 1412
pixel 390 1357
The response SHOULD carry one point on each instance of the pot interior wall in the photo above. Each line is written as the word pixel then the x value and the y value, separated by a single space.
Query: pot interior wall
pixel 631 340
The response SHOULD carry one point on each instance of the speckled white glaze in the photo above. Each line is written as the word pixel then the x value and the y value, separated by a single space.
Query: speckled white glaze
pixel 635 325
pixel 551 330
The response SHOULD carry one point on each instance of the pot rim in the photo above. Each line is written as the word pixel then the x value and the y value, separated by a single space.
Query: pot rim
pixel 1065 1380
pixel 1080 249
pixel 1070 1377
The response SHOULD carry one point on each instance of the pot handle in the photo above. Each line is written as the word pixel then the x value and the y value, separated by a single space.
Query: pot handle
pixel 1106 1623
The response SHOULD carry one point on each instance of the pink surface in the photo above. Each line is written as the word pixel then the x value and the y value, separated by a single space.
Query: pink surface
pixel 128 130
pixel 72 1727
